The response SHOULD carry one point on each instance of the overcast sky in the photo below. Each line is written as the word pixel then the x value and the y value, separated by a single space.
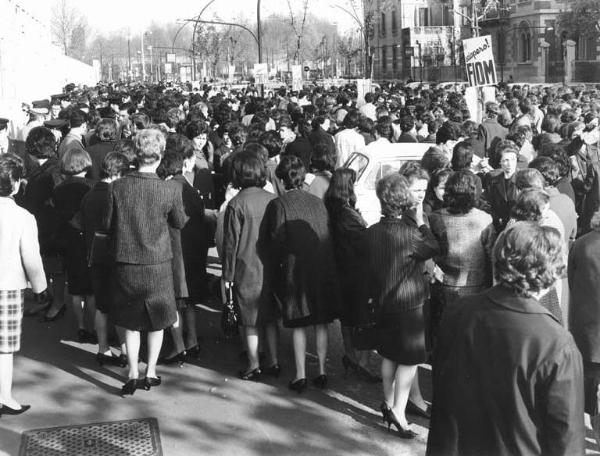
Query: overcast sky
pixel 107 15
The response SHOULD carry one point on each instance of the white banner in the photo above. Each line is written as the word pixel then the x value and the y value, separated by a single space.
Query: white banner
pixel 479 61
pixel 261 73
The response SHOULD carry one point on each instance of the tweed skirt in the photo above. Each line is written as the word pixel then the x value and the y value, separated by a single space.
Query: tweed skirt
pixel 144 296
pixel 11 317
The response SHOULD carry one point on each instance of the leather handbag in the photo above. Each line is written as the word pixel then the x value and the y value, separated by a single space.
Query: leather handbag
pixel 229 316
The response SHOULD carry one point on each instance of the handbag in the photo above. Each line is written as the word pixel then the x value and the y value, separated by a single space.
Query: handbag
pixel 365 336
pixel 99 250
pixel 229 316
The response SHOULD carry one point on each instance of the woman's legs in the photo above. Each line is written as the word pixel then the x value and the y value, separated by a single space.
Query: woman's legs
pixel 402 385
pixel 388 374
pixel 101 327
pixel 348 347
pixel 272 336
pixel 132 342
pixel 415 392
pixel 299 340
pixel 251 339
pixel 189 320
pixel 155 339
pixel 89 309
pixel 322 340
pixel 177 336
pixel 6 376
pixel 56 284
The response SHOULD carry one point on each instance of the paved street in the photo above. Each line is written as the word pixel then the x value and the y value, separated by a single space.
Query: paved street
pixel 202 408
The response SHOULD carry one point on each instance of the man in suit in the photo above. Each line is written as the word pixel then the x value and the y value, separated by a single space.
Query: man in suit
pixel 501 192
pixel 490 131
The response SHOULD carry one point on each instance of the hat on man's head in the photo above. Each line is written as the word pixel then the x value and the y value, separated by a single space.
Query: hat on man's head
pixel 56 124
pixel 492 107
pixel 3 123
pixel 69 87
pixel 60 97
pixel 40 106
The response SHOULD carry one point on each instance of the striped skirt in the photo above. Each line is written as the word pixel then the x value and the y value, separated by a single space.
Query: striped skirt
pixel 11 317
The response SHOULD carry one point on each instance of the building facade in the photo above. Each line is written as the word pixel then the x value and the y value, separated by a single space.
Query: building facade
pixel 422 40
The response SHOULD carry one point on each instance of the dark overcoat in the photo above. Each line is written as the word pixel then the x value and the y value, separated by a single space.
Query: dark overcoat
pixel 507 380
pixel 245 254
pixel 305 273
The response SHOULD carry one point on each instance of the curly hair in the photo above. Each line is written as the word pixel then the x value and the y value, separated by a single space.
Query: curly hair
pixel 394 195
pixel 11 170
pixel 461 192
pixel 548 168
pixel 291 171
pixel 528 258
pixel 149 146
pixel 529 178
pixel 530 205
pixel 41 143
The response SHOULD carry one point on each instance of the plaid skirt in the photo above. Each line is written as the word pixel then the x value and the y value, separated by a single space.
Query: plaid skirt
pixel 11 317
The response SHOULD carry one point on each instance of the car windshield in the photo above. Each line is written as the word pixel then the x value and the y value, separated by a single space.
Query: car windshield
pixel 358 162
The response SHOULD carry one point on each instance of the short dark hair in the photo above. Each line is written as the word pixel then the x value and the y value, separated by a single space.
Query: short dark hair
pixel 11 170
pixel 258 150
pixel 272 142
pixel 462 156
pixel 196 128
pixel 75 161
pixel 394 195
pixel 461 192
pixel 351 120
pixel 41 143
pixel 115 164
pixel 407 123
pixel 106 130
pixel 248 170
pixel 291 171
pixel 323 157
pixel 449 131
pixel 548 168
pixel 171 164
pixel 126 146
pixel 77 118
pixel 528 258
pixel 384 128
pixel 433 159
pixel 550 123
pixel 180 144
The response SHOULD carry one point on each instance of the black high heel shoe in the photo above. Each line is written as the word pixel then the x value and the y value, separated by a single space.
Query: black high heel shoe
pixel 5 410
pixel 178 359
pixel 274 370
pixel 193 352
pixel 149 382
pixel 57 315
pixel 129 388
pixel 391 419
pixel 110 360
pixel 384 411
pixel 413 409
pixel 320 381
pixel 298 385
pixel 251 375
pixel 348 364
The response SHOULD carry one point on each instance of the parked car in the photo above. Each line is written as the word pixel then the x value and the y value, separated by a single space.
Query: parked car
pixel 372 166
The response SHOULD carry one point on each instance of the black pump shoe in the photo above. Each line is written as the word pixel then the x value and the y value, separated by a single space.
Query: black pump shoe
pixel 391 419
pixel 298 385
pixel 253 375
pixel 320 381
pixel 129 388
pixel 273 370
pixel 176 360
pixel 149 382
pixel 6 410
pixel 110 360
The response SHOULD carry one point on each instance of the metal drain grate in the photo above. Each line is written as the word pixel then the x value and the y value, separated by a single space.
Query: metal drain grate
pixel 138 437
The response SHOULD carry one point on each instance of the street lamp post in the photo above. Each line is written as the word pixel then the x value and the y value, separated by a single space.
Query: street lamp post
pixel 151 64
pixel 143 60
pixel 129 57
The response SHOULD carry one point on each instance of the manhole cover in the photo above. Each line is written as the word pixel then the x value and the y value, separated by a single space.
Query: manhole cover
pixel 138 437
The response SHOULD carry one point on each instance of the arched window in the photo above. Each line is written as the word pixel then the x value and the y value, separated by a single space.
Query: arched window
pixel 524 42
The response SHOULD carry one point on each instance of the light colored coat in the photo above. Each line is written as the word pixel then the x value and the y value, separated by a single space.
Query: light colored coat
pixel 20 260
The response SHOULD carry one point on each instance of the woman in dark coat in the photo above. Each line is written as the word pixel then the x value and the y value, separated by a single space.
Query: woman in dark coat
pixel 141 208
pixel 526 398
pixel 67 197
pixel 397 249
pixel 347 231
pixel 106 138
pixel 306 278
pixel 36 196
pixel 94 207
pixel 245 258
pixel 583 273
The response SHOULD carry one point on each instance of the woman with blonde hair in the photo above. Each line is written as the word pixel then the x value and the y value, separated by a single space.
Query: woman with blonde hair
pixel 141 208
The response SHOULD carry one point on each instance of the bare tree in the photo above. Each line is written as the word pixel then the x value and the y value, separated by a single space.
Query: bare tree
pixel 298 28
pixel 68 28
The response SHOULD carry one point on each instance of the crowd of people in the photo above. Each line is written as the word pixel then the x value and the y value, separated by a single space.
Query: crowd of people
pixel 484 262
